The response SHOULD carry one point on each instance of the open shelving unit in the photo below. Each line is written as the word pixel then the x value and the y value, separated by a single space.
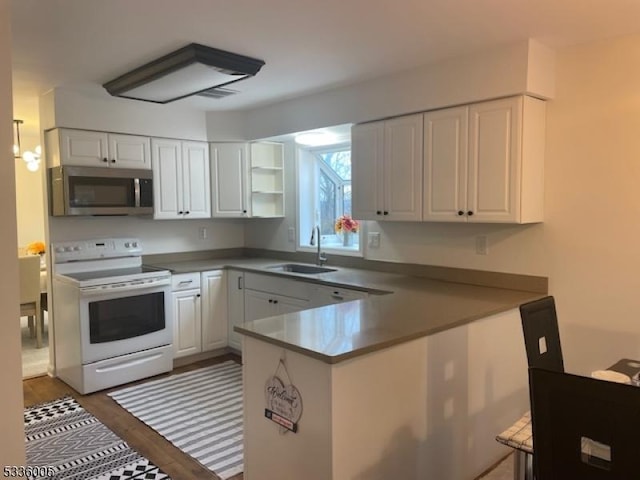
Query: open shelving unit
pixel 267 179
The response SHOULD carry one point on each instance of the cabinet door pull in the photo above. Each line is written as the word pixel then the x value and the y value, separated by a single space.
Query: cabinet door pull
pixel 180 212
pixel 113 160
pixel 469 213
pixel 385 213
pixel 379 212
pixel 187 212
pixel 185 282
pixel 275 301
pixel 239 283
pixel 270 301
pixel 105 159
pixel 460 212
pixel 198 295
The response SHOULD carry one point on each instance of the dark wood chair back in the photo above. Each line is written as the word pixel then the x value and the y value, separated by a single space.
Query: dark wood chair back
pixel 583 428
pixel 541 334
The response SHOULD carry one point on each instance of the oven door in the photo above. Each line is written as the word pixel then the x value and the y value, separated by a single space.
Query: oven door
pixel 123 322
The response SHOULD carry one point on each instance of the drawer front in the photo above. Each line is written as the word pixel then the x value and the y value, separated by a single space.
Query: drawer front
pixel 327 295
pixel 185 281
pixel 278 286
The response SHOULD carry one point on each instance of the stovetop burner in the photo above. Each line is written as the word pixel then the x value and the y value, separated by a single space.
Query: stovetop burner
pixel 115 273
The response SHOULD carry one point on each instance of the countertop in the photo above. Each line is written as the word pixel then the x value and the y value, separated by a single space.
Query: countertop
pixel 400 308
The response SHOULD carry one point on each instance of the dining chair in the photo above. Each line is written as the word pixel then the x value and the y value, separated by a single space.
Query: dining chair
pixel 30 294
pixel 544 350
pixel 584 428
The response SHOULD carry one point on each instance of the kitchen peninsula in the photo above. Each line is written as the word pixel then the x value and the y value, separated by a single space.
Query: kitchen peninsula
pixel 412 382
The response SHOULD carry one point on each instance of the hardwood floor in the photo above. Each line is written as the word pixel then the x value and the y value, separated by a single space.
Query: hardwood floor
pixel 140 437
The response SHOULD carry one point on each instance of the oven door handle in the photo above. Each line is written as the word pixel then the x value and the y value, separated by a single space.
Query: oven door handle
pixel 120 287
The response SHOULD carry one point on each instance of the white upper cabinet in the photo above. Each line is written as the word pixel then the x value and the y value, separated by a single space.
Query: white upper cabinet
pixel 97 149
pixel 386 161
pixel 485 163
pixel 445 165
pixel 403 168
pixel 130 151
pixel 196 180
pixel 367 148
pixel 229 180
pixel 181 179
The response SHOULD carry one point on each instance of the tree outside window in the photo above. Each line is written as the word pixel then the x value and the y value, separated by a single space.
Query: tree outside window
pixel 330 172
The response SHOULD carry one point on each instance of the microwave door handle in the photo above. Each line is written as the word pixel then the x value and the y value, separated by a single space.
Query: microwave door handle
pixel 136 191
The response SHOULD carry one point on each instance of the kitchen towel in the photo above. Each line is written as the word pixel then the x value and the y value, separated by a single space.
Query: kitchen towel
pixel 200 412
pixel 65 442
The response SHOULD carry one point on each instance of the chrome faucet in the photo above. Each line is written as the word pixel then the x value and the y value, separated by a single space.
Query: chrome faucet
pixel 321 257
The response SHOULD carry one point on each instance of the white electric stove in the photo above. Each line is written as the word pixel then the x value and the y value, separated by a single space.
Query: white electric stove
pixel 112 315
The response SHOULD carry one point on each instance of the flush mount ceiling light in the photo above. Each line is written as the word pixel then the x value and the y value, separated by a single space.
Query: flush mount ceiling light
pixel 315 139
pixel 188 71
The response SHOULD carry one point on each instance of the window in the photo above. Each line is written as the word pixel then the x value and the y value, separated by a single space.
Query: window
pixel 324 186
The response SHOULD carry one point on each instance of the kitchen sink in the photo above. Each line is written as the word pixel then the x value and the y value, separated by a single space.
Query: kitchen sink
pixel 298 268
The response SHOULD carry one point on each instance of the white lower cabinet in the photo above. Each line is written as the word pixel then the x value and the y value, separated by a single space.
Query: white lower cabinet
pixel 264 304
pixel 328 295
pixel 187 323
pixel 199 312
pixel 235 306
pixel 214 310
pixel 268 295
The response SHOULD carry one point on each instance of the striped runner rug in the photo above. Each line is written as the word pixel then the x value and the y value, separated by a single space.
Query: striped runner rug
pixel 200 412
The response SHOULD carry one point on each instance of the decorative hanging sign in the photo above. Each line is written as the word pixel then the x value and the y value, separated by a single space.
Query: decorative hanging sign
pixel 284 402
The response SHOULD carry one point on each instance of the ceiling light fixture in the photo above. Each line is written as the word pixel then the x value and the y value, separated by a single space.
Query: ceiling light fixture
pixel 16 138
pixel 185 72
pixel 32 159
pixel 315 139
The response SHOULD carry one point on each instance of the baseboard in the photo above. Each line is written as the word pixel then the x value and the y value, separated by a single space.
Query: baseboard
pixel 181 362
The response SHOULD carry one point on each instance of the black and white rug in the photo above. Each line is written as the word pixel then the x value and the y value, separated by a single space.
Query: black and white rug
pixel 65 442
pixel 200 412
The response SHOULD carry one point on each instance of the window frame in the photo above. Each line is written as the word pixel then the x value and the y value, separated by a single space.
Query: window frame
pixel 330 243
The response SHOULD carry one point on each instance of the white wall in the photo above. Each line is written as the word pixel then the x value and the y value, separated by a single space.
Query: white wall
pixel 592 208
pixel 11 418
pixel 157 236
pixel 66 108
pixel 509 70
pixel 30 206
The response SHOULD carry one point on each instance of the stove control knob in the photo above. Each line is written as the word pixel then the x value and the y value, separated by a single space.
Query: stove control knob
pixel 59 249
pixel 77 249
pixel 127 245
pixel 135 244
pixel 67 249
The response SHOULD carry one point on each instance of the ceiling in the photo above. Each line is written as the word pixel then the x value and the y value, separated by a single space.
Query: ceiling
pixel 308 45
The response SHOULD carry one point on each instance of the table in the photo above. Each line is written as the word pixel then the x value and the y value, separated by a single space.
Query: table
pixel 627 366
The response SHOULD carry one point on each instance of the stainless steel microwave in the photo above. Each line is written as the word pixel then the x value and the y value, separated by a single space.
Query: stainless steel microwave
pixel 100 191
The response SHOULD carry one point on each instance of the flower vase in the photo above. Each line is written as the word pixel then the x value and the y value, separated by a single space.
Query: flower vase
pixel 347 239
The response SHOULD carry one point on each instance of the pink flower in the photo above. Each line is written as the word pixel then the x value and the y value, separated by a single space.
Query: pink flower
pixel 345 223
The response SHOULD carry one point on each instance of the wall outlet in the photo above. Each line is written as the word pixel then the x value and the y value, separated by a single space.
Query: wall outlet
pixel 374 239
pixel 202 233
pixel 292 234
pixel 482 246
